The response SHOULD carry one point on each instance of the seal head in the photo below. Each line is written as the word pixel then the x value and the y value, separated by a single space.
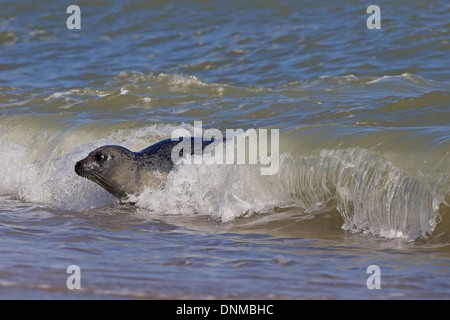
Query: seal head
pixel 114 168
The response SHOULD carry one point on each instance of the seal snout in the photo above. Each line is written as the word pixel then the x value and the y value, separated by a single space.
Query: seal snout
pixel 79 167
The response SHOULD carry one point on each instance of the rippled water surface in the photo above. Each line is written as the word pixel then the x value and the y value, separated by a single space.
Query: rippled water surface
pixel 364 142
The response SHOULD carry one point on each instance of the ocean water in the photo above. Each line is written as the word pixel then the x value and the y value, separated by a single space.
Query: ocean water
pixel 364 149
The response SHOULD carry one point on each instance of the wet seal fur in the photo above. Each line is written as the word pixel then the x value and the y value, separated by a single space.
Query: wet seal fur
pixel 122 172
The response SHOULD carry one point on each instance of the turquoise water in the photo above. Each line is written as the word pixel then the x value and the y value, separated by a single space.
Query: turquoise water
pixel 364 145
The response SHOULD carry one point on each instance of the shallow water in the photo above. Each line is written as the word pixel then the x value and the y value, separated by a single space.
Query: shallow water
pixel 364 147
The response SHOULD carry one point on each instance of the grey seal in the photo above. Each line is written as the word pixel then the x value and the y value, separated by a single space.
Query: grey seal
pixel 122 172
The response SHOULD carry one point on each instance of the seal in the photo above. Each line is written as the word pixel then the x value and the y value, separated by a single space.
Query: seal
pixel 122 172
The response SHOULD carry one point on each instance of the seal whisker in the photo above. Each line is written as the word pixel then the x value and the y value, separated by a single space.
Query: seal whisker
pixel 95 177
pixel 98 178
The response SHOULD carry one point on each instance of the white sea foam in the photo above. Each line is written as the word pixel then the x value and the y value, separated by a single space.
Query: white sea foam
pixel 19 174
pixel 222 192
pixel 405 76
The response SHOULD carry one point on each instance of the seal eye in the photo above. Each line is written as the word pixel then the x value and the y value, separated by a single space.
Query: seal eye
pixel 100 157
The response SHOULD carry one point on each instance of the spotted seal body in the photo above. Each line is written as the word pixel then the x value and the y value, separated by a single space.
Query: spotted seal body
pixel 122 172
